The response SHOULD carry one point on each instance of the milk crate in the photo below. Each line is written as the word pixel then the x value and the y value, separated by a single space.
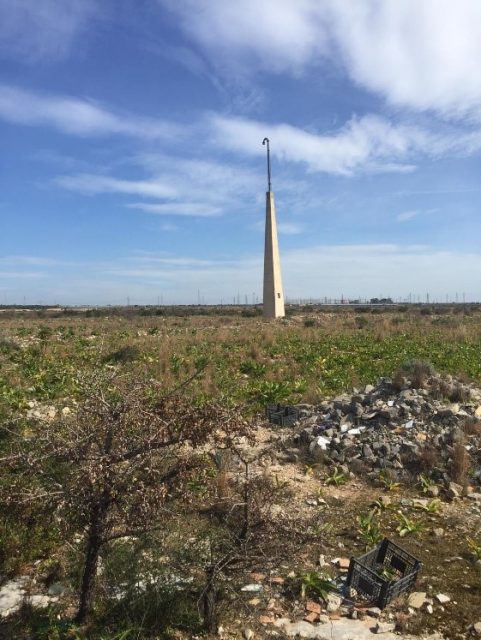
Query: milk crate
pixel 383 573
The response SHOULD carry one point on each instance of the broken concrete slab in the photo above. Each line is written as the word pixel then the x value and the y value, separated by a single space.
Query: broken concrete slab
pixel 343 629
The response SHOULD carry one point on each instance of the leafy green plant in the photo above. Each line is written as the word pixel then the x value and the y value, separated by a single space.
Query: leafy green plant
pixel 369 528
pixel 426 483
pixel 269 392
pixel 318 584
pixel 388 573
pixel 381 505
pixel 388 482
pixel 475 548
pixel 336 478
pixel 433 506
pixel 252 368
pixel 408 526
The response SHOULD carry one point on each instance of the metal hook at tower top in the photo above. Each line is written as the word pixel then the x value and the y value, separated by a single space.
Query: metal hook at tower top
pixel 269 186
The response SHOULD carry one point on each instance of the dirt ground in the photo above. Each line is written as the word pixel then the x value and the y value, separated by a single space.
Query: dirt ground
pixel 312 524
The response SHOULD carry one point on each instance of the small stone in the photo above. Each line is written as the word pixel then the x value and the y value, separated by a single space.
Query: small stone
pixel 254 602
pixel 253 588
pixel 477 628
pixel 247 634
pixel 313 607
pixel 417 599
pixel 438 532
pixel 322 561
pixel 343 563
pixel 430 609
pixel 266 619
pixel 258 577
pixel 311 617
pixel 333 602
pixel 56 589
pixel 384 627
pixel 277 580
pixel 442 598
pixel 374 612
pixel 454 491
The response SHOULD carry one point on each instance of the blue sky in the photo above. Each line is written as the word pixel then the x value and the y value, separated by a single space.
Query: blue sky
pixel 132 164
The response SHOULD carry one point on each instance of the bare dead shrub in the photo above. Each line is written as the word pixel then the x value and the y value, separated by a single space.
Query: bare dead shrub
pixel 461 462
pixel 439 388
pixel 401 620
pixel 428 458
pixel 471 426
pixel 398 380
pixel 459 393
pixel 418 371
pixel 108 472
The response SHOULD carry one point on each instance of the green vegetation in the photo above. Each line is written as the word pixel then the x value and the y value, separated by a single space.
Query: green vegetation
pixel 246 363
pixel 316 584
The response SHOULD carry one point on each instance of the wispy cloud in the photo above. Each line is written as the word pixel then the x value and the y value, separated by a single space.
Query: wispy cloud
pixel 368 144
pixel 407 215
pixel 290 228
pixel 28 260
pixel 363 144
pixel 21 274
pixel 420 55
pixel 43 29
pixel 314 271
pixel 195 209
pixel 214 188
pixel 76 116
pixel 91 184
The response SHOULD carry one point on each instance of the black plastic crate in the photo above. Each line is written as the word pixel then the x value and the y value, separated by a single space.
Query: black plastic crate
pixel 366 577
pixel 282 414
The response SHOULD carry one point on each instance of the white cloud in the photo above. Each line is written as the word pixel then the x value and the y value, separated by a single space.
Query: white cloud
pixel 195 209
pixel 420 54
pixel 407 215
pixel 21 274
pixel 363 144
pixel 290 228
pixel 275 36
pixel 42 29
pixel 169 227
pixel 28 260
pixel 311 272
pixel 76 116
pixel 91 184
pixel 213 188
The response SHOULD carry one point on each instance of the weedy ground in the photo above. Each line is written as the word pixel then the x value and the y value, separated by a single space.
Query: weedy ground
pixel 249 363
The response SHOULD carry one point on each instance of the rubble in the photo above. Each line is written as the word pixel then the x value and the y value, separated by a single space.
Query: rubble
pixel 397 431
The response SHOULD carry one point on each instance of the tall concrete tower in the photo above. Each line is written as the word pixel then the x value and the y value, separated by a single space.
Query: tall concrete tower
pixel 273 300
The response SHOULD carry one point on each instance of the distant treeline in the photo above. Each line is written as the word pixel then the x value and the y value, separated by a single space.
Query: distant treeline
pixel 376 306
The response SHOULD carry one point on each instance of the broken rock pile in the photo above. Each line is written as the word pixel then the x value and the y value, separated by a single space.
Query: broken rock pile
pixel 398 429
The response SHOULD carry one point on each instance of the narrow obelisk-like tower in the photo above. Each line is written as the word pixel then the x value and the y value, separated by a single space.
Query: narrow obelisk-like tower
pixel 273 301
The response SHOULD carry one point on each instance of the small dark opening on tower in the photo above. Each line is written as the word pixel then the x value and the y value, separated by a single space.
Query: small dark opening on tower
pixel 278 295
